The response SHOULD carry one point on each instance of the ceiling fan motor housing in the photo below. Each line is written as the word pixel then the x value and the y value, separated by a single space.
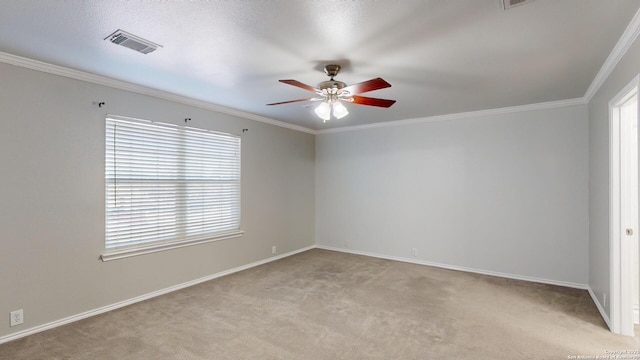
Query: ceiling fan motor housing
pixel 330 84
pixel 331 70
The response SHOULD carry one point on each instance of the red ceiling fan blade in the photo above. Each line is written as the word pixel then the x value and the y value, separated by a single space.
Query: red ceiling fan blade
pixel 369 85
pixel 293 101
pixel 363 100
pixel 300 85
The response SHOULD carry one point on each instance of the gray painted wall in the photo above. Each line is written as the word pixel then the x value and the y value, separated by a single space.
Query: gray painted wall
pixel 52 198
pixel 599 275
pixel 502 193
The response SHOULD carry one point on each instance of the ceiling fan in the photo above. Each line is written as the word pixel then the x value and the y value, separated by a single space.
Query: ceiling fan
pixel 333 92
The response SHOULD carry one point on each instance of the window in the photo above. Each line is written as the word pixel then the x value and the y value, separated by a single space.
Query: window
pixel 168 186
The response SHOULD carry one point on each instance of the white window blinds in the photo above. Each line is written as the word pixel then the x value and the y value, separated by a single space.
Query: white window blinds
pixel 168 183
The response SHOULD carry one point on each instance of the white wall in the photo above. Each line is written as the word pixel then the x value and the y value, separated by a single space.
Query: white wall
pixel 502 193
pixel 52 198
pixel 599 275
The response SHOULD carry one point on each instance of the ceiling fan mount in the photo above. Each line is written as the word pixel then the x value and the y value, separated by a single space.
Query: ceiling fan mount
pixel 333 92
pixel 331 70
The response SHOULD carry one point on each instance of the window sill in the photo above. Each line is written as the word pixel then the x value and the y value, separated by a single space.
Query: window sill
pixel 116 254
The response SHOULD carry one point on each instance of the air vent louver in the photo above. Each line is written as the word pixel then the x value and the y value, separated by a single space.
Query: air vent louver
pixel 132 42
pixel 508 4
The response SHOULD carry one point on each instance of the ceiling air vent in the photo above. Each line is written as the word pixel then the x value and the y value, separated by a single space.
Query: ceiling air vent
pixel 508 4
pixel 133 42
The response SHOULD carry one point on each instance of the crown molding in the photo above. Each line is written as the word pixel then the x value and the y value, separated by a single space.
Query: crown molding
pixel 626 40
pixel 127 86
pixel 457 116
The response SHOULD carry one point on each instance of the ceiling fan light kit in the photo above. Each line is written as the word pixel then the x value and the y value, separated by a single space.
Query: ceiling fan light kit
pixel 323 111
pixel 339 110
pixel 332 93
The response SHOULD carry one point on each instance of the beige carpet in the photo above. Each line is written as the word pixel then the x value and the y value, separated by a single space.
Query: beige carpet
pixel 328 305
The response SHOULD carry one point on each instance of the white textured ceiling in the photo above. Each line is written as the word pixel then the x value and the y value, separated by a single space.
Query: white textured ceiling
pixel 441 56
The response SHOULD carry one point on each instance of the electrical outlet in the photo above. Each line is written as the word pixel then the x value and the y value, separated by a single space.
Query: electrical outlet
pixel 17 317
pixel 604 299
pixel 273 249
pixel 414 252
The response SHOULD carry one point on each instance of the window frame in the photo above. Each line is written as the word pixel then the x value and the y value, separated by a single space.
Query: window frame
pixel 119 252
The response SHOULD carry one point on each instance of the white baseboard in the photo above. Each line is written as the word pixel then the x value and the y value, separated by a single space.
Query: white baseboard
pixel 459 268
pixel 124 303
pixel 603 313
pixel 104 309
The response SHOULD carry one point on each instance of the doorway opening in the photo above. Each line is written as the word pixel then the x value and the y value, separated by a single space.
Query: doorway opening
pixel 624 184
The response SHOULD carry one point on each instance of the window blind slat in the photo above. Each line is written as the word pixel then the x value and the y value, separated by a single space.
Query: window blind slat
pixel 167 183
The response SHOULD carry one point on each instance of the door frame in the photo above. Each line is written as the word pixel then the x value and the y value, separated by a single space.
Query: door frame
pixel 620 306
